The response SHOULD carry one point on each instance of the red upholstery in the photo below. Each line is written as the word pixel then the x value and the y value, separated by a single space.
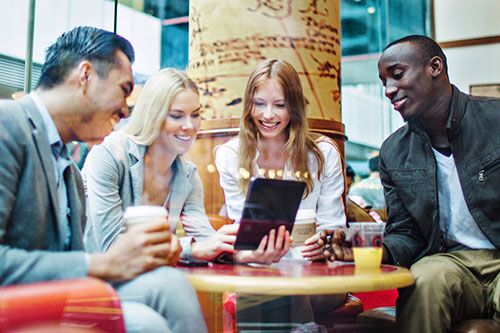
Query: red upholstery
pixel 85 304
pixel 382 318
pixel 377 299
pixel 229 312
pixel 341 319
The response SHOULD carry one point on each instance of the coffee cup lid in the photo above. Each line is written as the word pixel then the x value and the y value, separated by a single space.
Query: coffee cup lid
pixel 145 211
pixel 305 214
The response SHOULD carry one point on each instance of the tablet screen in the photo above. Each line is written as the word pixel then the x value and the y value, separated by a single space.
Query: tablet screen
pixel 269 204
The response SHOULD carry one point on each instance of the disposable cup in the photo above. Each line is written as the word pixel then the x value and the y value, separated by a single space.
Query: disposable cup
pixel 304 226
pixel 366 238
pixel 136 215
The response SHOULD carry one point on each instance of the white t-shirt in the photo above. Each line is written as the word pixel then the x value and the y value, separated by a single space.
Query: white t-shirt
pixel 457 224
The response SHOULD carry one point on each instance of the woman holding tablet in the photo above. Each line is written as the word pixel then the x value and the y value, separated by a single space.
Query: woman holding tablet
pixel 141 164
pixel 275 142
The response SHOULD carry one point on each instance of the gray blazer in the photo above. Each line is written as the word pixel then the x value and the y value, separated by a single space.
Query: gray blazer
pixel 31 240
pixel 113 174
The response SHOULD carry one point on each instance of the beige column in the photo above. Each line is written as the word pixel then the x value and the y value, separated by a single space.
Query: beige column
pixel 227 39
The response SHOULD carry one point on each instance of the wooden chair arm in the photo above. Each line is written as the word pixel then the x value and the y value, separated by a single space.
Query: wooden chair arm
pixel 217 221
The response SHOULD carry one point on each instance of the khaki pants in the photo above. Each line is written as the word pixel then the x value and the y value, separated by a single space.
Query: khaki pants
pixel 450 287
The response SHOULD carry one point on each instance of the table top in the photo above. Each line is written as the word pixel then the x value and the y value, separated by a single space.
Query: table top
pixel 296 277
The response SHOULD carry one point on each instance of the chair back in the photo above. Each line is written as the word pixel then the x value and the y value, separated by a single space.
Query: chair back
pixel 66 304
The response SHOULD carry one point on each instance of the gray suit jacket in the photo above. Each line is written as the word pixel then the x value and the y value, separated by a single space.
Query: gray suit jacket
pixel 114 173
pixel 31 240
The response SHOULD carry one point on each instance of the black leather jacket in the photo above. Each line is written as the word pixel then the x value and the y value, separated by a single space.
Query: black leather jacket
pixel 408 173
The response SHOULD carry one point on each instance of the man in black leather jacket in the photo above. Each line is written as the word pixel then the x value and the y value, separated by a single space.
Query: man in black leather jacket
pixel 441 178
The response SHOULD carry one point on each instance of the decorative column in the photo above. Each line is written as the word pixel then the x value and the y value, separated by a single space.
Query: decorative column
pixel 227 39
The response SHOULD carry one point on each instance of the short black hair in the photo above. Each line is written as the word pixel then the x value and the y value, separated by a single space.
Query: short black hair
pixel 373 164
pixel 426 46
pixel 349 171
pixel 82 43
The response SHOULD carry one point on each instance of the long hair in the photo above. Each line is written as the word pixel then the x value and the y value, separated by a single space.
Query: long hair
pixel 155 99
pixel 298 140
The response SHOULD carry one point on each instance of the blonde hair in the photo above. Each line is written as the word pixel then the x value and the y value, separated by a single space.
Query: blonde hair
pixel 298 139
pixel 150 111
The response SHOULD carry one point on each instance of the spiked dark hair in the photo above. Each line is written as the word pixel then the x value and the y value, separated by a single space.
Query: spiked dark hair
pixel 82 43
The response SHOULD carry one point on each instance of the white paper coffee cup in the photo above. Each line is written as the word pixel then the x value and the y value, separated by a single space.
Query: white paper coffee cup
pixel 135 215
pixel 304 226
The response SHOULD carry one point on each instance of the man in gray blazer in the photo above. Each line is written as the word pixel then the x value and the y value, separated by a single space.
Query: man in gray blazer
pixel 81 95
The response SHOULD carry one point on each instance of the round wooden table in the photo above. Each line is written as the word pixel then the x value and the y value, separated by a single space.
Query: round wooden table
pixel 296 277
pixel 288 277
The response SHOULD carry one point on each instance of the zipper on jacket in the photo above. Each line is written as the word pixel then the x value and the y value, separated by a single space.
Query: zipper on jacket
pixel 437 225
pixel 488 166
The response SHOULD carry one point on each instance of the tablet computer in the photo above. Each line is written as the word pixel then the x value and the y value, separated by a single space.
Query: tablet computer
pixel 270 203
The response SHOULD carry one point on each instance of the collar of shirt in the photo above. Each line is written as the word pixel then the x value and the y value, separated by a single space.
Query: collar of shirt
pixel 52 133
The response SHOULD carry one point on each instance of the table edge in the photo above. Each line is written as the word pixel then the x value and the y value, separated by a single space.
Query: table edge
pixel 302 285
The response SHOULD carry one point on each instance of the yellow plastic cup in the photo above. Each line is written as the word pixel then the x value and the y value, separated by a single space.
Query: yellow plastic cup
pixel 366 238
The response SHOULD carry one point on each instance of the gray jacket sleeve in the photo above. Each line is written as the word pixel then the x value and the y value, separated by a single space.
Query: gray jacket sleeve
pixel 21 266
pixel 18 263
pixel 194 218
pixel 402 236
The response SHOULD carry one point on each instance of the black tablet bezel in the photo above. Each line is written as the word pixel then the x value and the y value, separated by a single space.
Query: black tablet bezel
pixel 270 203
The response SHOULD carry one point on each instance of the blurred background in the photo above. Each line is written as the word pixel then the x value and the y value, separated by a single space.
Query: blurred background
pixel 468 30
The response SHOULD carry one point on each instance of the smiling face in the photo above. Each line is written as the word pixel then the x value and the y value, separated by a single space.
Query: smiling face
pixel 408 80
pixel 270 113
pixel 104 101
pixel 182 123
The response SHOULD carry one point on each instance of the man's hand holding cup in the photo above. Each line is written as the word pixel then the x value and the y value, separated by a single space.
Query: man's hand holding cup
pixel 150 225
pixel 147 244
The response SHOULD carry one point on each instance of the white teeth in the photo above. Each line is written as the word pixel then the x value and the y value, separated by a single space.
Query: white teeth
pixel 269 124
pixel 183 137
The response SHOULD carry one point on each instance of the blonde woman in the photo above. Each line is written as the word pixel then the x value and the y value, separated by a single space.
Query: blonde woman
pixel 142 164
pixel 275 142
